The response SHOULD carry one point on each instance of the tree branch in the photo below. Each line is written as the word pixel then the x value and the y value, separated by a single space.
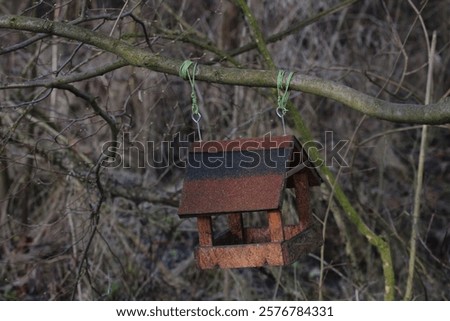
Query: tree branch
pixel 437 113
pixel 256 33
pixel 92 101
pixel 22 44
pixel 381 245
pixel 67 79
pixel 293 28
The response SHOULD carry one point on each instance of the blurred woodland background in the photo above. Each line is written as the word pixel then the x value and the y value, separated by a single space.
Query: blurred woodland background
pixel 70 229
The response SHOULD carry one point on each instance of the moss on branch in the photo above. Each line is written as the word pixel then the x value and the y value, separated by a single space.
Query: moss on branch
pixel 437 113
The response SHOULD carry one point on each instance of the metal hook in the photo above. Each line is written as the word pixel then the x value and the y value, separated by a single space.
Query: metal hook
pixel 196 118
pixel 281 112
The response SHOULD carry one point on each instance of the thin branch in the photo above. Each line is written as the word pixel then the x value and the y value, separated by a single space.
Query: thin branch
pixel 118 18
pixel 387 132
pixel 144 30
pixel 42 95
pixel 23 44
pixel 63 80
pixel 79 20
pixel 183 23
pixel 95 208
pixel 199 42
pixel 420 169
pixel 378 242
pixel 99 111
pixel 95 217
pixel 295 27
pixel 256 32
pixel 330 202
pixel 437 113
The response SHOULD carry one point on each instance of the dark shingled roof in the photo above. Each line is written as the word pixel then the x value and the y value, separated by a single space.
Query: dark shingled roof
pixel 240 175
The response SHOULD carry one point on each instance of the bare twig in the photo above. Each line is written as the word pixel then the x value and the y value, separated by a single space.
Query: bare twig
pixel 118 18
pixel 256 33
pixel 329 208
pixel 23 44
pixel 294 27
pixel 92 101
pixel 420 168
pixel 64 80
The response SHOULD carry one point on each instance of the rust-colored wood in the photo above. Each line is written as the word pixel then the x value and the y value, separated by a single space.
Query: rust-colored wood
pixel 291 231
pixel 205 233
pixel 236 225
pixel 238 256
pixel 257 234
pixel 302 199
pixel 258 254
pixel 275 226
pixel 231 195
pixel 251 235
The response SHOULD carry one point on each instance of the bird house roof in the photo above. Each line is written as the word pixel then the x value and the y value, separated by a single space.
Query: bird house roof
pixel 241 175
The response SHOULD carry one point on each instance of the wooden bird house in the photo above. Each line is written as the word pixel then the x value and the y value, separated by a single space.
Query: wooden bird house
pixel 240 176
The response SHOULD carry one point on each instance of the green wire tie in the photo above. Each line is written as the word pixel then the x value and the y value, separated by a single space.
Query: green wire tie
pixel 186 75
pixel 283 97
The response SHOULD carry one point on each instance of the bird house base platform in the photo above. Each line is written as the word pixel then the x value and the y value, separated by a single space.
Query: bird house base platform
pixel 259 249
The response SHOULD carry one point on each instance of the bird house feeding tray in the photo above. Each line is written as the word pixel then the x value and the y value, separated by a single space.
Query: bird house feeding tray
pixel 239 176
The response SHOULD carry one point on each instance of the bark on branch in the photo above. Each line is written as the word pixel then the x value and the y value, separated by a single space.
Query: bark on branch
pixel 433 114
